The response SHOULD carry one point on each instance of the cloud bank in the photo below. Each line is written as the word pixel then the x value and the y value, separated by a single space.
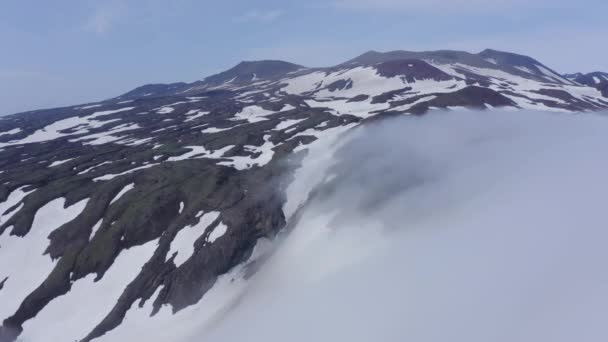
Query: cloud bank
pixel 466 226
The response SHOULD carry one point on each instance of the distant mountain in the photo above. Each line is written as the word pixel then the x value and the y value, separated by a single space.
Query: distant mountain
pixel 598 80
pixel 144 203
pixel 254 71
pixel 526 82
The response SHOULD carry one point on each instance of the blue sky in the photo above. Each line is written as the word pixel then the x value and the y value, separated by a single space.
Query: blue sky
pixel 64 52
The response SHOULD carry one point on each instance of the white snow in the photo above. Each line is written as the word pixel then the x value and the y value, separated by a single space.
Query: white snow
pixel 13 198
pixel 361 109
pixel 195 114
pixel 287 107
pixel 246 162
pixel 183 243
pixel 53 131
pixel 304 83
pixel 217 232
pixel 365 80
pixel 50 132
pixel 59 162
pixel 527 104
pixel 165 110
pixel 408 106
pixel 108 112
pixel 596 80
pixel 106 136
pixel 93 167
pixel 181 207
pixel 135 142
pixel 288 123
pixel 522 85
pixel 162 327
pixel 95 229
pixel 124 190
pixel 22 259
pixel 110 176
pixel 201 152
pixel 91 106
pixel 87 303
pixel 195 150
pixel 12 131
pixel 253 114
pixel 524 69
pixel 217 130
pixel 553 75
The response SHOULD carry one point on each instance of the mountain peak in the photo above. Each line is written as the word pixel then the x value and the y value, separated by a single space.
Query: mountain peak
pixel 508 58
pixel 247 71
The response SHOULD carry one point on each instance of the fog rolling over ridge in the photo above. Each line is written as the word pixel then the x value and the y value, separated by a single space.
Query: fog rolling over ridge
pixel 461 226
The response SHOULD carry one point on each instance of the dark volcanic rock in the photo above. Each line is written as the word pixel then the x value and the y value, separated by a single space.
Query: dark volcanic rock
pixel 411 70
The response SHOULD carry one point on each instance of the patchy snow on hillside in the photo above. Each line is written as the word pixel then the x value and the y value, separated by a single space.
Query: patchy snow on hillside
pixel 22 259
pixel 93 299
pixel 183 243
pixel 253 114
pixel 124 190
pixel 217 232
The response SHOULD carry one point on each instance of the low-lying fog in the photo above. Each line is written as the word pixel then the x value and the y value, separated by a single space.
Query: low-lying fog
pixel 459 226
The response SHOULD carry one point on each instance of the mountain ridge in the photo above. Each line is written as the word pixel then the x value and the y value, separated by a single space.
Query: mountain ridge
pixel 516 63
pixel 153 199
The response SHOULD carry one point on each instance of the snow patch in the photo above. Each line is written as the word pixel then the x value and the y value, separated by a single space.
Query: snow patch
pixel 22 259
pixel 11 132
pixel 59 162
pixel 88 302
pixel 253 114
pixel 183 243
pixel 217 232
pixel 124 190
pixel 111 176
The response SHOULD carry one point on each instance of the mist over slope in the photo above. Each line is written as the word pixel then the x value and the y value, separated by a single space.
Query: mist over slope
pixel 466 226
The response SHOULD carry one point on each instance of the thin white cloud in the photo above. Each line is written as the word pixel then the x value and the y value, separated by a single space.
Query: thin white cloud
pixel 441 6
pixel 259 16
pixel 104 17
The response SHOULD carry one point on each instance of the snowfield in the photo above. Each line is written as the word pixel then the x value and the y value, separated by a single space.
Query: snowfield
pixel 22 259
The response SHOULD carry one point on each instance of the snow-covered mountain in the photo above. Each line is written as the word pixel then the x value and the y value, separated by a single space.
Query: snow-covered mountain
pixel 597 80
pixel 155 201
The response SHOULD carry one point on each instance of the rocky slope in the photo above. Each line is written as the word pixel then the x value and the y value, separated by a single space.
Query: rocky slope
pixel 146 203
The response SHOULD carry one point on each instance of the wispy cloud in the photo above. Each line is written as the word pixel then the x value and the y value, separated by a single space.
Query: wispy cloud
pixel 260 16
pixel 104 17
pixel 438 6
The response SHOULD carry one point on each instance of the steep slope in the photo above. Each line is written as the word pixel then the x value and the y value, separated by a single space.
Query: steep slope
pixel 153 199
